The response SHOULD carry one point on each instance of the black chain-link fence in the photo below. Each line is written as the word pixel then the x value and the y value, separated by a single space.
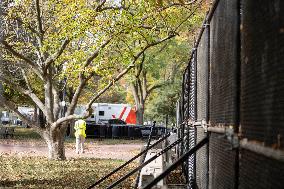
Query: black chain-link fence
pixel 233 92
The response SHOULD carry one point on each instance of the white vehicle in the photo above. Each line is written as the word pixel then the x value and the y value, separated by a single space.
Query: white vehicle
pixel 5 119
pixel 103 112
pixel 26 111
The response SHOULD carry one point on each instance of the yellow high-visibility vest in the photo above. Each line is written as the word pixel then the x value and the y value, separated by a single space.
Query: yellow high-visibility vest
pixel 80 128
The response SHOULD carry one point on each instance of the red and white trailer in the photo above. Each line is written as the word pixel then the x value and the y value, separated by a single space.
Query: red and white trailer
pixel 102 112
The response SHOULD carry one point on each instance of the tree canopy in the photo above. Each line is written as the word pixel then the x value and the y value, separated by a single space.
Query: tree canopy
pixel 48 46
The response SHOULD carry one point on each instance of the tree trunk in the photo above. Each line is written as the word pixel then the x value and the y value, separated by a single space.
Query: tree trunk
pixel 139 115
pixel 55 143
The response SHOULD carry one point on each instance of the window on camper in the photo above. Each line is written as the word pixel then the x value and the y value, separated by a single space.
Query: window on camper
pixel 101 113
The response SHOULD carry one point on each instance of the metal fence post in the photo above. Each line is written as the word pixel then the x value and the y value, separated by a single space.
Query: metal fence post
pixel 208 101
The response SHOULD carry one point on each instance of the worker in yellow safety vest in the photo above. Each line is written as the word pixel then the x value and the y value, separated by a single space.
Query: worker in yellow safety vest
pixel 80 128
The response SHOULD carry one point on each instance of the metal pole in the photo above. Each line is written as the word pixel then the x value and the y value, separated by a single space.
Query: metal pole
pixel 238 86
pixel 208 101
pixel 1 89
pixel 195 114
pixel 129 161
pixel 212 10
pixel 220 130
pixel 167 122
pixel 177 163
pixel 145 163
pixel 263 150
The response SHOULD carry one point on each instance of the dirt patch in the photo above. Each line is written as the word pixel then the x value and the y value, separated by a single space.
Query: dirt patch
pixel 116 151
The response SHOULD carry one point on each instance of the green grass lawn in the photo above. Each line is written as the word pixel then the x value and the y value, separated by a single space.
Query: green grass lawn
pixel 25 133
pixel 39 172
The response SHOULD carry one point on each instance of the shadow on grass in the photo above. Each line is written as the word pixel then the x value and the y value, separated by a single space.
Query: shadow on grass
pixel 35 183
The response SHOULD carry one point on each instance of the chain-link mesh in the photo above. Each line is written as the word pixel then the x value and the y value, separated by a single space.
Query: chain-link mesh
pixel 222 164
pixel 262 105
pixel 191 159
pixel 188 113
pixel 186 94
pixel 192 116
pixel 223 95
pixel 192 91
pixel 260 172
pixel 202 104
pixel 202 76
pixel 201 161
pixel 255 93
pixel 223 60
pixel 262 91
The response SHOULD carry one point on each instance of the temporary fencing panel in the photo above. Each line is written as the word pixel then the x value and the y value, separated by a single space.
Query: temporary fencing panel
pixel 222 164
pixel 186 94
pixel 235 80
pixel 192 116
pixel 202 108
pixel 223 59
pixel 202 76
pixel 189 107
pixel 257 171
pixel 223 93
pixel 262 91
pixel 262 103
pixel 201 161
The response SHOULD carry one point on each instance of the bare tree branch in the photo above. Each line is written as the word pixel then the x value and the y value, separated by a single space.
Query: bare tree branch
pixel 191 14
pixel 127 69
pixel 56 55
pixel 139 84
pixel 117 78
pixel 20 21
pixel 89 108
pixel 156 86
pixel 99 7
pixel 140 66
pixel 56 108
pixel 11 106
pixel 26 80
pixel 84 80
pixel 19 55
pixel 79 89
pixel 49 98
pixel 134 89
pixel 39 20
pixel 76 96
pixel 150 27
pixel 23 91
pixel 144 85
pixel 169 6
pixel 96 53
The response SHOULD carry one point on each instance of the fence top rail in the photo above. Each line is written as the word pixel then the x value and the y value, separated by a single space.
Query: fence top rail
pixel 206 21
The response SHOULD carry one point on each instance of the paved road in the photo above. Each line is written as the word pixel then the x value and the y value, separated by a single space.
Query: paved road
pixel 118 151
